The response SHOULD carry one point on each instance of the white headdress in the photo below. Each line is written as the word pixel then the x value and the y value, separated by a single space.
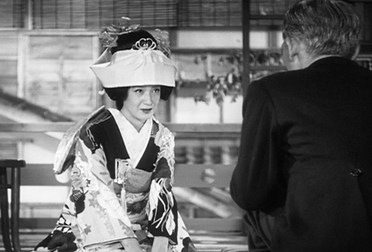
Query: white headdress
pixel 144 63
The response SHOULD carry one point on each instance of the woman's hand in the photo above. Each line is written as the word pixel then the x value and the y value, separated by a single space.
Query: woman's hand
pixel 131 244
pixel 160 244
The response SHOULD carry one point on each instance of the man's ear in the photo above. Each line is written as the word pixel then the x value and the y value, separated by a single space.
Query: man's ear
pixel 356 53
pixel 297 56
pixel 293 48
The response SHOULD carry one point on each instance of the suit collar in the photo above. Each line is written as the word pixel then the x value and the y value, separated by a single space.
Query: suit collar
pixel 332 60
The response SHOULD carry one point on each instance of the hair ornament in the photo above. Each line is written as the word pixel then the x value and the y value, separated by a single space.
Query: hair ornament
pixel 162 38
pixel 109 35
pixel 145 44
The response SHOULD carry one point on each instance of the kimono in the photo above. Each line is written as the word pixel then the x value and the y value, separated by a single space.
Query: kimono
pixel 105 150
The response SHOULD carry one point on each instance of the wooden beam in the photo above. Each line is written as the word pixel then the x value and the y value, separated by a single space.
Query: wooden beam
pixel 185 175
pixel 207 202
pixel 200 224
pixel 21 110
pixel 246 47
pixel 180 128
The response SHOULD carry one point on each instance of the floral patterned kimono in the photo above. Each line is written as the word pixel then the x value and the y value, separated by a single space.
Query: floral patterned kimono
pixel 103 149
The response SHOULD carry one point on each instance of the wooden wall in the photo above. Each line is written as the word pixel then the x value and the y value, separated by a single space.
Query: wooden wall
pixel 8 61
pixel 54 72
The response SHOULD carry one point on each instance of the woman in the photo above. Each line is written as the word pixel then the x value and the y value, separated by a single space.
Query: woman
pixel 121 160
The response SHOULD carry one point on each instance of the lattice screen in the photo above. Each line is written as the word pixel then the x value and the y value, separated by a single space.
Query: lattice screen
pixel 12 13
pixel 94 14
pixel 209 13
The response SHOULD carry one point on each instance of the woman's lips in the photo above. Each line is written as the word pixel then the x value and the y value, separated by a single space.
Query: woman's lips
pixel 146 111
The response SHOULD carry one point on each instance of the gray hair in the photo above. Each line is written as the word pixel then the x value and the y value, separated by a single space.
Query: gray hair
pixel 328 27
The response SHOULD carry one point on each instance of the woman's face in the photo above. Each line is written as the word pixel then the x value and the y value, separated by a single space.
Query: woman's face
pixel 141 104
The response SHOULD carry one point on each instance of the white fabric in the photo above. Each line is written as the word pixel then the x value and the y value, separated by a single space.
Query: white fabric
pixel 64 146
pixel 136 68
pixel 135 142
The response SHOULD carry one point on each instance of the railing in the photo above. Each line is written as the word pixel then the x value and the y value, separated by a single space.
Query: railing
pixel 202 174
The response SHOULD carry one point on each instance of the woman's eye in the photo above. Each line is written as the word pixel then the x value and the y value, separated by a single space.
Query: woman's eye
pixel 156 90
pixel 138 91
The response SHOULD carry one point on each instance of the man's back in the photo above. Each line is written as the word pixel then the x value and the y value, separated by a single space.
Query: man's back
pixel 306 144
pixel 323 117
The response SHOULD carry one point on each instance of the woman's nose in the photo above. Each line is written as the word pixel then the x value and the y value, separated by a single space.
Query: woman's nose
pixel 147 98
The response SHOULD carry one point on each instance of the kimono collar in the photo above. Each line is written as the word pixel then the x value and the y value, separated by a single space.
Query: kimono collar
pixel 135 142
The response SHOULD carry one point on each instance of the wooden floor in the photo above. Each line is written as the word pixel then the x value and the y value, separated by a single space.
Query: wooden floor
pixel 205 242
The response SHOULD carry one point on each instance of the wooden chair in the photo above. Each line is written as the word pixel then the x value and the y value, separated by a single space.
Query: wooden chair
pixel 10 239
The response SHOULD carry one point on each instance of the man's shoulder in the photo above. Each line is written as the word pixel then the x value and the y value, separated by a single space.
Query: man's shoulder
pixel 275 80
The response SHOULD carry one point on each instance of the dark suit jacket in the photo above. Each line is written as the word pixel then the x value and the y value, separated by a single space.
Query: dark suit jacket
pixel 306 149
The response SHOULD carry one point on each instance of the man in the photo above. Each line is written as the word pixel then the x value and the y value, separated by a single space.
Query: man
pixel 304 173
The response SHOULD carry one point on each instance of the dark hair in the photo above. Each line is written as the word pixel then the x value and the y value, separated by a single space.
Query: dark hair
pixel 329 27
pixel 127 40
pixel 120 94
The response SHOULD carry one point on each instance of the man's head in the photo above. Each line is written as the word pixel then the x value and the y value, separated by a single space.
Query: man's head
pixel 322 27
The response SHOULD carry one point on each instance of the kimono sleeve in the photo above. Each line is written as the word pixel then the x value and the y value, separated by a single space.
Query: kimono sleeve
pixel 100 216
pixel 163 212
pixel 92 213
pixel 256 182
